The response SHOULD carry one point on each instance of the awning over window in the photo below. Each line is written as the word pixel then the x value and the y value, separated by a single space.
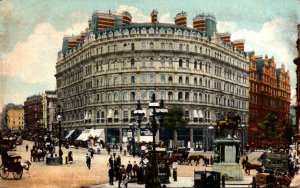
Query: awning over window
pixel 86 116
pixel 110 113
pixel 196 114
pixel 212 116
pixel 200 113
pixel 70 133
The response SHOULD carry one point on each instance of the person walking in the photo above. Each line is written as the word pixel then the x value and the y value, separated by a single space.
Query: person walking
pixel 118 160
pixel 129 168
pixel 121 175
pixel 111 176
pixel 134 169
pixel 88 161
pixel 27 147
pixel 92 153
pixel 111 162
pixel 70 157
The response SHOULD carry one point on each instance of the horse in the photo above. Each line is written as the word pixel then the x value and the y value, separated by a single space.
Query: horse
pixel 37 155
pixel 249 166
pixel 195 158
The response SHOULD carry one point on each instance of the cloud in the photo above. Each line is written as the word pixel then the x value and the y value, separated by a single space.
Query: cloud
pixel 226 26
pixel 137 15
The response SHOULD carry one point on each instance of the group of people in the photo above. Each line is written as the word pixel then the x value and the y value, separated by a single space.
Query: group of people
pixel 118 172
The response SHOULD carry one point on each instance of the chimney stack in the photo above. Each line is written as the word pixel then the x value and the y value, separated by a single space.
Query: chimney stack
pixel 154 16
pixel 181 19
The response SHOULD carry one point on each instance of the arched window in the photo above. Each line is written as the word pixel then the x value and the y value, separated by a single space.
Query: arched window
pixel 162 78
pixel 180 47
pixel 170 46
pixel 187 96
pixel 132 63
pixel 170 79
pixel 143 45
pixel 180 80
pixel 180 62
pixel 187 48
pixel 170 62
pixel 187 81
pixel 116 97
pixel 151 62
pixel 151 45
pixel 195 81
pixel 162 45
pixel 170 95
pixel 115 80
pixel 132 46
pixel 115 64
pixel 142 62
pixel 179 96
pixel 187 63
pixel 125 63
pixel 195 97
pixel 132 79
pixel 124 80
pixel 195 64
pixel 162 62
pixel 143 79
pixel 125 47
pixel 196 49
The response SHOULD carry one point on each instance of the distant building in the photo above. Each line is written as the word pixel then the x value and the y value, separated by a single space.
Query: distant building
pixel 297 107
pixel 15 118
pixel 12 117
pixel 270 92
pixel 49 100
pixel 33 112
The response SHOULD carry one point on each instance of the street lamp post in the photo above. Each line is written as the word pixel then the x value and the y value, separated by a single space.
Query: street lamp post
pixel 139 115
pixel 132 127
pixel 58 118
pixel 158 112
pixel 242 137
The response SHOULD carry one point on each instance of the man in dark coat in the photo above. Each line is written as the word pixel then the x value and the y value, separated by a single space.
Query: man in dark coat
pixel 111 176
pixel 118 160
pixel 88 161
pixel 129 168
pixel 111 162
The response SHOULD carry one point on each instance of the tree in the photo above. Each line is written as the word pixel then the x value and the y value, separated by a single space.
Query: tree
pixel 270 129
pixel 175 120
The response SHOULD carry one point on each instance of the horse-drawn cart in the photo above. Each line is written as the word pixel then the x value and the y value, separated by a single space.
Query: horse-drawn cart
pixel 11 164
pixel 276 170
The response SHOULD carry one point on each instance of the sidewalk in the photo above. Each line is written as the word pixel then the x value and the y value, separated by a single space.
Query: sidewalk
pixel 182 182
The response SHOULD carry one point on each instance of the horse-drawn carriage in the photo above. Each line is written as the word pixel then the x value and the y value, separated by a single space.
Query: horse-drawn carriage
pixel 277 170
pixel 12 164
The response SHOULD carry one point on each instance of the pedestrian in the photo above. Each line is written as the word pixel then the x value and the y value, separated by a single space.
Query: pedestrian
pixel 111 176
pixel 118 160
pixel 92 153
pixel 70 157
pixel 111 162
pixel 134 168
pixel 60 153
pixel 27 147
pixel 88 161
pixel 164 186
pixel 129 168
pixel 108 149
pixel 121 175
pixel 121 148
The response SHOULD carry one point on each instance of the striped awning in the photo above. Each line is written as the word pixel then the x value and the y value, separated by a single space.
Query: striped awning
pixel 195 114
pixel 200 113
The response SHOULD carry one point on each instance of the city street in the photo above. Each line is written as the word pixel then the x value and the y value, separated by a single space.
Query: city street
pixel 76 174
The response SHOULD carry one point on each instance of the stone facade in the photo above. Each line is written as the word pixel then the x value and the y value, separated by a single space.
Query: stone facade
pixel 100 80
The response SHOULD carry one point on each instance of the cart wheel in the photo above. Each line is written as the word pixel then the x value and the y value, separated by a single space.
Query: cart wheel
pixel 18 175
pixel 3 173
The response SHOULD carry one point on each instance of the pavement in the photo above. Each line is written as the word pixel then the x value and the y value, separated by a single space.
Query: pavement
pixel 182 182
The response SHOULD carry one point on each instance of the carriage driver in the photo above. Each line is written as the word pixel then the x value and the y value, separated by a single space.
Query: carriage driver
pixel 5 158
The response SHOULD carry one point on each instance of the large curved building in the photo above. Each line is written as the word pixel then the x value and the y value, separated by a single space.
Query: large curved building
pixel 102 72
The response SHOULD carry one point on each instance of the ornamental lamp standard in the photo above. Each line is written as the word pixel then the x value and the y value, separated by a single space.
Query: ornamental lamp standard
pixel 59 118
pixel 139 115
pixel 158 111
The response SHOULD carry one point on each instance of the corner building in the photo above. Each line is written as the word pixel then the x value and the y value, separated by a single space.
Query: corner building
pixel 101 78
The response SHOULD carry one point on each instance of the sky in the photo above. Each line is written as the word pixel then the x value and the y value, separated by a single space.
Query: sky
pixel 31 33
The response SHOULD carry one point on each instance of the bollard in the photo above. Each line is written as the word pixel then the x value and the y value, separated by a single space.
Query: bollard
pixel 66 159
pixel 253 182
pixel 223 181
pixel 175 174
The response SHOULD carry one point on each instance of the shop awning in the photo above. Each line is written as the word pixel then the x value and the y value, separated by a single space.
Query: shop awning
pixel 196 114
pixel 110 114
pixel 213 116
pixel 84 136
pixel 200 113
pixel 97 133
pixel 70 133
